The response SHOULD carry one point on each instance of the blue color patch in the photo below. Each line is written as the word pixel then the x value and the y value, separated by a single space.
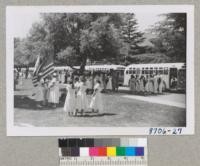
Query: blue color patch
pixel 130 151
pixel 139 151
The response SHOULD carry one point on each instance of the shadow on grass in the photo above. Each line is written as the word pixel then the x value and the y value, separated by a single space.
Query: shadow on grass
pixel 95 115
pixel 24 102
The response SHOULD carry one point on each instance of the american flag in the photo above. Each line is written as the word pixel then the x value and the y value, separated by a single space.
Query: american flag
pixel 43 68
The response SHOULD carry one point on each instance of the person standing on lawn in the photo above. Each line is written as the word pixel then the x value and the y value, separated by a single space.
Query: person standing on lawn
pixel 82 104
pixel 155 83
pixel 132 84
pixel 54 91
pixel 70 100
pixel 109 84
pixel 39 95
pixel 96 103
pixel 147 80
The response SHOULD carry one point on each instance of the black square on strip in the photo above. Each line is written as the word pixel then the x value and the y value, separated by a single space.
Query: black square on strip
pixel 80 143
pixel 63 142
pixel 90 142
pixel 72 142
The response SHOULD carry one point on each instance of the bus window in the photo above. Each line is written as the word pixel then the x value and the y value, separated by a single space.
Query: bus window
pixel 133 71
pixel 160 71
pixel 146 70
pixel 165 70
pixel 142 70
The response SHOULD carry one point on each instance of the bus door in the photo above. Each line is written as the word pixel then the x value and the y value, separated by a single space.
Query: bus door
pixel 173 74
pixel 181 79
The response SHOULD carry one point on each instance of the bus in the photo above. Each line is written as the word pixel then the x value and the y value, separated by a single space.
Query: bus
pixel 107 68
pixel 166 70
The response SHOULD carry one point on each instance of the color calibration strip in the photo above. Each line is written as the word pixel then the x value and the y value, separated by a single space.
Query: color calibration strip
pixel 113 151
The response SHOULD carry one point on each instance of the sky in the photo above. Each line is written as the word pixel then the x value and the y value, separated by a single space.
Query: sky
pixel 25 19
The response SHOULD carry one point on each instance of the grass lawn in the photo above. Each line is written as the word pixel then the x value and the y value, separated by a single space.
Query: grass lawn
pixel 118 112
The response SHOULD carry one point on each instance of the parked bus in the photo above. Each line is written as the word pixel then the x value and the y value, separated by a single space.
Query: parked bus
pixel 168 71
pixel 107 68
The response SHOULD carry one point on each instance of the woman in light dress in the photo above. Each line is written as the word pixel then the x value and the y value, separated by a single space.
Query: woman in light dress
pixel 141 84
pixel 137 84
pixel 109 84
pixel 151 84
pixel 39 97
pixel 54 91
pixel 96 103
pixel 155 83
pixel 132 84
pixel 147 84
pixel 81 102
pixel 70 100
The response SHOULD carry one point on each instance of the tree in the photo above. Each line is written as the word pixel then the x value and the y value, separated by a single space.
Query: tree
pixel 171 36
pixel 101 40
pixel 131 36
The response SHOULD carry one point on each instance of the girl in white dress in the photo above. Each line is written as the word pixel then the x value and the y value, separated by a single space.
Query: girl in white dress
pixel 39 97
pixel 70 100
pixel 81 104
pixel 109 84
pixel 147 84
pixel 54 91
pixel 155 83
pixel 96 102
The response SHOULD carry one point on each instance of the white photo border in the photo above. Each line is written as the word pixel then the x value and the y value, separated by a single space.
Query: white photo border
pixel 97 131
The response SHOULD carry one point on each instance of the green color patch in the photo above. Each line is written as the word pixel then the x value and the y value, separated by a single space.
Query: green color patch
pixel 120 151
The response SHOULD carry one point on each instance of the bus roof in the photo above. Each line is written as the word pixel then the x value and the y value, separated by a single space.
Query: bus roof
pixel 177 65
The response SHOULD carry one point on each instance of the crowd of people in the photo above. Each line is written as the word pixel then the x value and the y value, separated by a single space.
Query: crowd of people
pixel 146 85
pixel 82 93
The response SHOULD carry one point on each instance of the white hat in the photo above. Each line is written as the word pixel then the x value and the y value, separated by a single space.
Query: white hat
pixel 54 74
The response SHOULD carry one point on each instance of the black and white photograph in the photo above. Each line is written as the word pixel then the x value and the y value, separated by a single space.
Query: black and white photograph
pixel 115 69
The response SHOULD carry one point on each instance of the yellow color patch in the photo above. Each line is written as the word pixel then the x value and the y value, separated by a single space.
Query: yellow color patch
pixel 111 151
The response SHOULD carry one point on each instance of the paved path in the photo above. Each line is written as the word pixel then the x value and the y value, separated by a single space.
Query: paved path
pixel 176 100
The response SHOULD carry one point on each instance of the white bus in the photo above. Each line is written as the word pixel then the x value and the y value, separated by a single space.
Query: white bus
pixel 106 68
pixel 166 70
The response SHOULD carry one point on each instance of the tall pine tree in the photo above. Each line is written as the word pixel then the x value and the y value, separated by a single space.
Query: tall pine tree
pixel 131 36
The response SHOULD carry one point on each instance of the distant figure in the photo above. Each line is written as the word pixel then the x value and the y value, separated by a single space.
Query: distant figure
pixel 137 84
pixel 160 84
pixel 39 97
pixel 174 82
pixel 81 103
pixel 155 83
pixel 45 92
pixel 141 83
pixel 151 84
pixel 132 82
pixel 70 100
pixel 117 81
pixel 109 84
pixel 96 103
pixel 147 79
pixel 54 91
